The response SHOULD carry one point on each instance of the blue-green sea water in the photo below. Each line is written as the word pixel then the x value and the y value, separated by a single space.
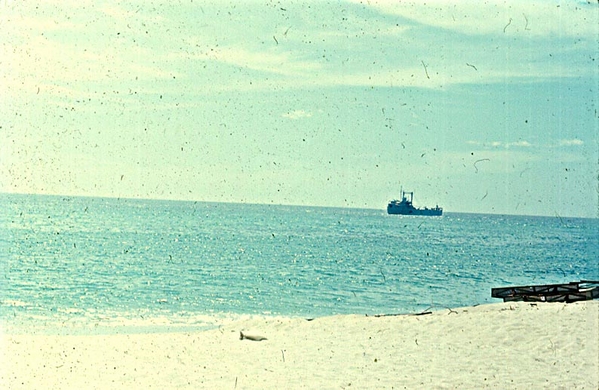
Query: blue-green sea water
pixel 79 265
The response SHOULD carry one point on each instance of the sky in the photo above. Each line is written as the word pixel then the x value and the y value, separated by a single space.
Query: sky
pixel 479 107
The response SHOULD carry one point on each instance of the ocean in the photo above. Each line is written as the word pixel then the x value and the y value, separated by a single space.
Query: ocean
pixel 78 265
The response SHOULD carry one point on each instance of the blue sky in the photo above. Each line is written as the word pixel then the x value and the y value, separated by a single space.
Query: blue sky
pixel 478 107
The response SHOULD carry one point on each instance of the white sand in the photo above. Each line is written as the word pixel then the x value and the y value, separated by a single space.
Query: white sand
pixel 499 346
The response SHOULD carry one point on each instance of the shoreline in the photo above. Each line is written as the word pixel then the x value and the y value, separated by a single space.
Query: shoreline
pixel 499 345
pixel 161 324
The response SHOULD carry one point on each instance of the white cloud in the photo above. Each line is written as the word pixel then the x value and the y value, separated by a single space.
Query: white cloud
pixel 282 63
pixel 521 144
pixel 297 114
pixel 571 142
pixel 499 144
pixel 474 17
pixel 370 51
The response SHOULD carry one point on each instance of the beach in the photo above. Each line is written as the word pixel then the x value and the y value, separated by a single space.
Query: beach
pixel 500 345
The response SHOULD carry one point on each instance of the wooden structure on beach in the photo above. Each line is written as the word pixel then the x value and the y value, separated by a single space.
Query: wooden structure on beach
pixel 567 292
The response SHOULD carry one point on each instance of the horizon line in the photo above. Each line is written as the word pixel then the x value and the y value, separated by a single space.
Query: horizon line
pixel 3 193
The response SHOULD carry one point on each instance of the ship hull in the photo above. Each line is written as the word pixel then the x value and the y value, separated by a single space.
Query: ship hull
pixel 395 210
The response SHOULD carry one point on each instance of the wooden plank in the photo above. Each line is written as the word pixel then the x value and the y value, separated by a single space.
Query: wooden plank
pixel 501 292
pixel 565 292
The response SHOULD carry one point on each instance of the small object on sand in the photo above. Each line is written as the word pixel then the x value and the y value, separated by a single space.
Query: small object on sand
pixel 564 292
pixel 250 336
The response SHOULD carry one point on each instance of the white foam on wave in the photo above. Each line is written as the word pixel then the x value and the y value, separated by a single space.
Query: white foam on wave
pixel 15 303
pixel 86 322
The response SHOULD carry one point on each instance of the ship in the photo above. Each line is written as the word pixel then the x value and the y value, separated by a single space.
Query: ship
pixel 405 207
